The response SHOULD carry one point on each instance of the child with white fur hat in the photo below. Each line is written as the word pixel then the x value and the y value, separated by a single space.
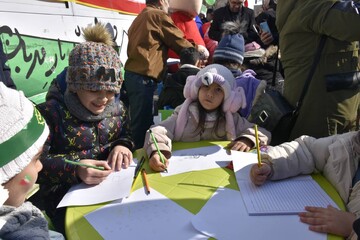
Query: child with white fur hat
pixel 208 113
pixel 23 132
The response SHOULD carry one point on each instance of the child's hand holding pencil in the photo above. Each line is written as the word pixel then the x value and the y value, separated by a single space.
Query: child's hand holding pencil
pixel 156 163
pixel 91 171
pixel 259 175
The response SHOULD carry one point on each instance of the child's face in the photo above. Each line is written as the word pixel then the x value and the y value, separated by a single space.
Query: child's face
pixel 23 182
pixel 211 97
pixel 95 101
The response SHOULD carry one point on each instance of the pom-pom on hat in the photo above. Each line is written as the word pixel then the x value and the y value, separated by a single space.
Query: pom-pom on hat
pixel 94 65
pixel 230 48
pixel 23 132
pixel 234 97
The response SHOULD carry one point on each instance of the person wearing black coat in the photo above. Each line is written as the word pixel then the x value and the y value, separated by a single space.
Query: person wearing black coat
pixel 172 94
pixel 234 11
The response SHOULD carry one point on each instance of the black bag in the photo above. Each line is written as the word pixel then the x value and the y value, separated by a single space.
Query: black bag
pixel 274 113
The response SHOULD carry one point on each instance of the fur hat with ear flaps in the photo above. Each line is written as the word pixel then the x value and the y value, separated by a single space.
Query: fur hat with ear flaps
pixel 234 97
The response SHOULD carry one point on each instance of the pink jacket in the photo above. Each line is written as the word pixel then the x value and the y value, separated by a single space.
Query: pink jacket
pixel 164 132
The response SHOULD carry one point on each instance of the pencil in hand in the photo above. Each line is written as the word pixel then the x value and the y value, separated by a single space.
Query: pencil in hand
pixel 84 164
pixel 257 145
pixel 157 149
pixel 143 172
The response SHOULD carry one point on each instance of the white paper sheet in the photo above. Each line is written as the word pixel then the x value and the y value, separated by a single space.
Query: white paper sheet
pixel 142 216
pixel 196 159
pixel 117 185
pixel 225 217
pixel 287 196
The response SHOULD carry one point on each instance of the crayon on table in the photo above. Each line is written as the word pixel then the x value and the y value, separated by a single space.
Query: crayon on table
pixel 139 166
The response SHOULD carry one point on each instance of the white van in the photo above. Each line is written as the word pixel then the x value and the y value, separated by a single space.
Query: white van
pixel 37 35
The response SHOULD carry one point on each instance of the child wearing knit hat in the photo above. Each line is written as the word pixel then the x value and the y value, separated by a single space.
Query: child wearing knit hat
pixel 231 48
pixel 208 113
pixel 230 53
pixel 23 132
pixel 88 124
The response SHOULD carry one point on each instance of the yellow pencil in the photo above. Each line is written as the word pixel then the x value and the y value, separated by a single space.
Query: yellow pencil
pixel 257 145
pixel 147 186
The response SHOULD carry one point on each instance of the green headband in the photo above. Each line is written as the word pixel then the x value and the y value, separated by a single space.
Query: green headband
pixel 23 140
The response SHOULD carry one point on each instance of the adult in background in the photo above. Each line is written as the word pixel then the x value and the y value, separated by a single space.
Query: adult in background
pixel 151 34
pixel 209 16
pixel 234 11
pixel 268 15
pixel 264 66
pixel 301 24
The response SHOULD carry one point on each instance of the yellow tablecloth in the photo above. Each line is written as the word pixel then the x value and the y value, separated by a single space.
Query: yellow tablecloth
pixel 190 190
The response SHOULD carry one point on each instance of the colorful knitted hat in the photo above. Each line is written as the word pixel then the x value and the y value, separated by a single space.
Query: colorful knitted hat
pixel 23 132
pixel 230 48
pixel 234 97
pixel 94 65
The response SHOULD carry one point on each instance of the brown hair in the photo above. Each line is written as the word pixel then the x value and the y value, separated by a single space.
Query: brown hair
pixel 202 119
pixel 152 2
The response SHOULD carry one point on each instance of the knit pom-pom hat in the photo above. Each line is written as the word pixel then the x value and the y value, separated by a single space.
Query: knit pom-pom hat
pixel 231 46
pixel 234 97
pixel 23 132
pixel 94 65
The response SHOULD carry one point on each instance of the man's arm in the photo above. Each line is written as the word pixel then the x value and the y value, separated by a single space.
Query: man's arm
pixel 215 27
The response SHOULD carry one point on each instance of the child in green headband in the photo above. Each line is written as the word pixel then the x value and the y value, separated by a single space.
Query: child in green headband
pixel 23 132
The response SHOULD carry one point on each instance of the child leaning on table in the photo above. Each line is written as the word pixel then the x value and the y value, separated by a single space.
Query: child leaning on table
pixel 208 113
pixel 337 158
pixel 87 124
pixel 23 132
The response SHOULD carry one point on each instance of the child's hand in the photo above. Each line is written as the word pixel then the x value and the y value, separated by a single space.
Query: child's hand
pixel 156 164
pixel 120 157
pixel 258 175
pixel 91 175
pixel 328 220
pixel 242 145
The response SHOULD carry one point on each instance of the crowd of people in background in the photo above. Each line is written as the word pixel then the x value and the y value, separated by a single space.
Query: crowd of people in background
pixel 212 91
